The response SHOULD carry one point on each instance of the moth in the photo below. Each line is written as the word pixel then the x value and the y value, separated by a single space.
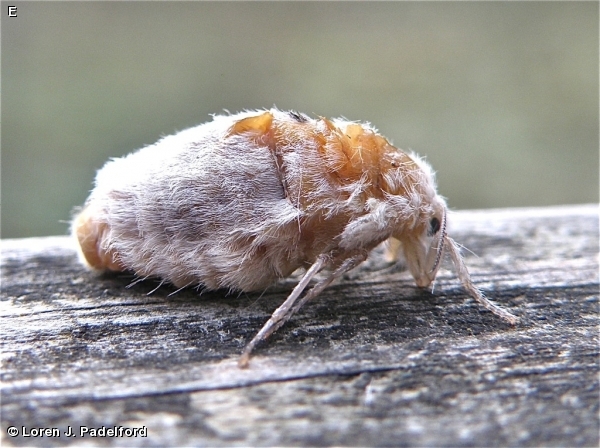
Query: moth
pixel 246 199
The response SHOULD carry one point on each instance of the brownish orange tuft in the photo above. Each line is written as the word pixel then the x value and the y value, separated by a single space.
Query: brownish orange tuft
pixel 259 124
pixel 90 234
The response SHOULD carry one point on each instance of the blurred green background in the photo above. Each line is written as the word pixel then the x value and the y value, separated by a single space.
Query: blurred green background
pixel 502 97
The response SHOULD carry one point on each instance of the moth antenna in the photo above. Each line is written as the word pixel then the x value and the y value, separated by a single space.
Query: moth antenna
pixel 465 279
pixel 441 245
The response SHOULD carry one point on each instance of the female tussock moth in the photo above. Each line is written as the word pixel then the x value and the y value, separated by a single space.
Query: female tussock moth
pixel 247 199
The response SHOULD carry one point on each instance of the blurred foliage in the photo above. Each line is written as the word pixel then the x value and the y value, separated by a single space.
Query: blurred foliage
pixel 502 97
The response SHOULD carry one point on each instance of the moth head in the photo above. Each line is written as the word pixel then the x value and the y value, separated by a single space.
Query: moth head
pixel 421 223
pixel 423 249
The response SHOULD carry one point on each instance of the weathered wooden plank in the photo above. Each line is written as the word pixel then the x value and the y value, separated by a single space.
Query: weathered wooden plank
pixel 374 361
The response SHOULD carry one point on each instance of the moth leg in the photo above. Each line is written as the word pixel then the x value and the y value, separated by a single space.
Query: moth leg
pixel 465 279
pixel 289 307
pixel 347 265
pixel 278 315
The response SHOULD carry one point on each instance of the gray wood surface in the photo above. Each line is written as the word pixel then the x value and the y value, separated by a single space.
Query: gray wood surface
pixel 374 361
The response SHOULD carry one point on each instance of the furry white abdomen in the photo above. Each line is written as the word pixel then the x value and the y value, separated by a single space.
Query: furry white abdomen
pixel 197 208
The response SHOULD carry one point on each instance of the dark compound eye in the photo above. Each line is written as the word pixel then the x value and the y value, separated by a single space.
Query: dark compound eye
pixel 434 226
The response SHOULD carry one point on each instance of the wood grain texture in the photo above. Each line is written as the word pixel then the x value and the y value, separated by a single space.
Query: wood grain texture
pixel 374 361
